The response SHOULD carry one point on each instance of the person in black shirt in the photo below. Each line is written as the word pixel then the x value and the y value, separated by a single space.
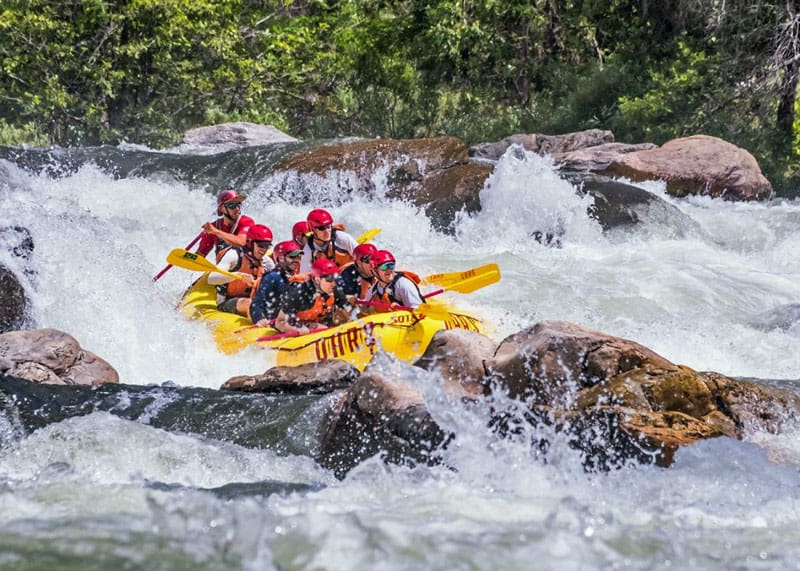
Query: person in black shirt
pixel 315 302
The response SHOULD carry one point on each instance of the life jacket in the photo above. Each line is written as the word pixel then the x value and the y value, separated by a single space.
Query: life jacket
pixel 321 310
pixel 330 250
pixel 246 264
pixel 365 287
pixel 388 296
pixel 220 245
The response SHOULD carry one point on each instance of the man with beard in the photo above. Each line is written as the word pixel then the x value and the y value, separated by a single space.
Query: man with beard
pixel 269 296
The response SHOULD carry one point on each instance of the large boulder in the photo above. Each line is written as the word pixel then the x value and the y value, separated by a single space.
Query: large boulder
pixel 697 165
pixel 382 413
pixel 597 158
pixel 313 378
pixel 236 134
pixel 458 356
pixel 619 401
pixel 51 356
pixel 433 174
pixel 543 144
pixel 621 205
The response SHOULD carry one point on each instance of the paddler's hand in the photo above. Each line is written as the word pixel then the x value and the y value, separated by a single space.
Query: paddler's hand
pixel 209 228
pixel 247 279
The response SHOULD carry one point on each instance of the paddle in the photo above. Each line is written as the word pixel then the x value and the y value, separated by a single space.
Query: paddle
pixel 368 235
pixel 196 263
pixel 291 334
pixel 168 266
pixel 454 277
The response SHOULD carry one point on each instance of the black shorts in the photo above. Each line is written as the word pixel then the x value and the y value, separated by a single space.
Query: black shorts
pixel 229 305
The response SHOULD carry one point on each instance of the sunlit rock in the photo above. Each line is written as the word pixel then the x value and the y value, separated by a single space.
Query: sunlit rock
pixel 236 134
pixel 595 159
pixel 89 369
pixel 52 356
pixel 433 173
pixel 458 356
pixel 542 144
pixel 697 165
pixel 313 378
pixel 619 401
pixel 552 360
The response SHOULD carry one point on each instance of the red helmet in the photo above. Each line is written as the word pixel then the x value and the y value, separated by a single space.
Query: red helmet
pixel 300 229
pixel 319 217
pixel 364 250
pixel 381 257
pixel 287 247
pixel 259 232
pixel 324 267
pixel 229 195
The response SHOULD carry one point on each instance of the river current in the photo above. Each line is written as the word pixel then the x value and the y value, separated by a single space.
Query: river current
pixel 166 473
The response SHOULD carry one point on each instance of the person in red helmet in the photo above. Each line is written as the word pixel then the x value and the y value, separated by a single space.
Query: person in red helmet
pixel 356 279
pixel 233 296
pixel 300 233
pixel 230 229
pixel 269 295
pixel 313 301
pixel 328 241
pixel 392 287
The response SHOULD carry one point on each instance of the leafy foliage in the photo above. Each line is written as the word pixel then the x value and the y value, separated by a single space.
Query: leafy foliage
pixel 103 71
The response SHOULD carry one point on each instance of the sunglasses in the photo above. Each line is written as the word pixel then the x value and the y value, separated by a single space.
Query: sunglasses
pixel 233 205
pixel 294 254
pixel 262 243
pixel 331 278
pixel 365 259
pixel 386 266
pixel 324 228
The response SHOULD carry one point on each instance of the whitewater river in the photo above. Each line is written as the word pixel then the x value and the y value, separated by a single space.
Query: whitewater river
pixel 168 475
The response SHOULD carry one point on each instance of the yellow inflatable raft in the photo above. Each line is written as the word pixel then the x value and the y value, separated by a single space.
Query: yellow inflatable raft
pixel 405 334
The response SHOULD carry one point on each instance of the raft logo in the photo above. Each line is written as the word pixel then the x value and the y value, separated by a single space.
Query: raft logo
pixel 458 321
pixel 343 343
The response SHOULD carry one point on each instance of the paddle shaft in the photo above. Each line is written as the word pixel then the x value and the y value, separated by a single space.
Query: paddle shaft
pixel 383 305
pixel 291 334
pixel 196 263
pixel 168 266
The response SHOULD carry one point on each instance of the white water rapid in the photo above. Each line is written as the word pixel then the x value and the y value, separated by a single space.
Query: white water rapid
pixel 80 493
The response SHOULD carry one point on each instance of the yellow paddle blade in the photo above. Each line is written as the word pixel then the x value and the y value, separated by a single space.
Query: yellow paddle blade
pixel 368 235
pixel 475 282
pixel 195 262
pixel 445 280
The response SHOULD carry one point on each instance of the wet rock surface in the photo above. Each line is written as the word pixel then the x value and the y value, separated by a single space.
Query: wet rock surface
pixel 14 302
pixel 315 378
pixel 51 356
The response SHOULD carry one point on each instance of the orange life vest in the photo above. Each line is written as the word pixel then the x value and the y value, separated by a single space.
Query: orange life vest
pixel 246 264
pixel 323 305
pixel 330 251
